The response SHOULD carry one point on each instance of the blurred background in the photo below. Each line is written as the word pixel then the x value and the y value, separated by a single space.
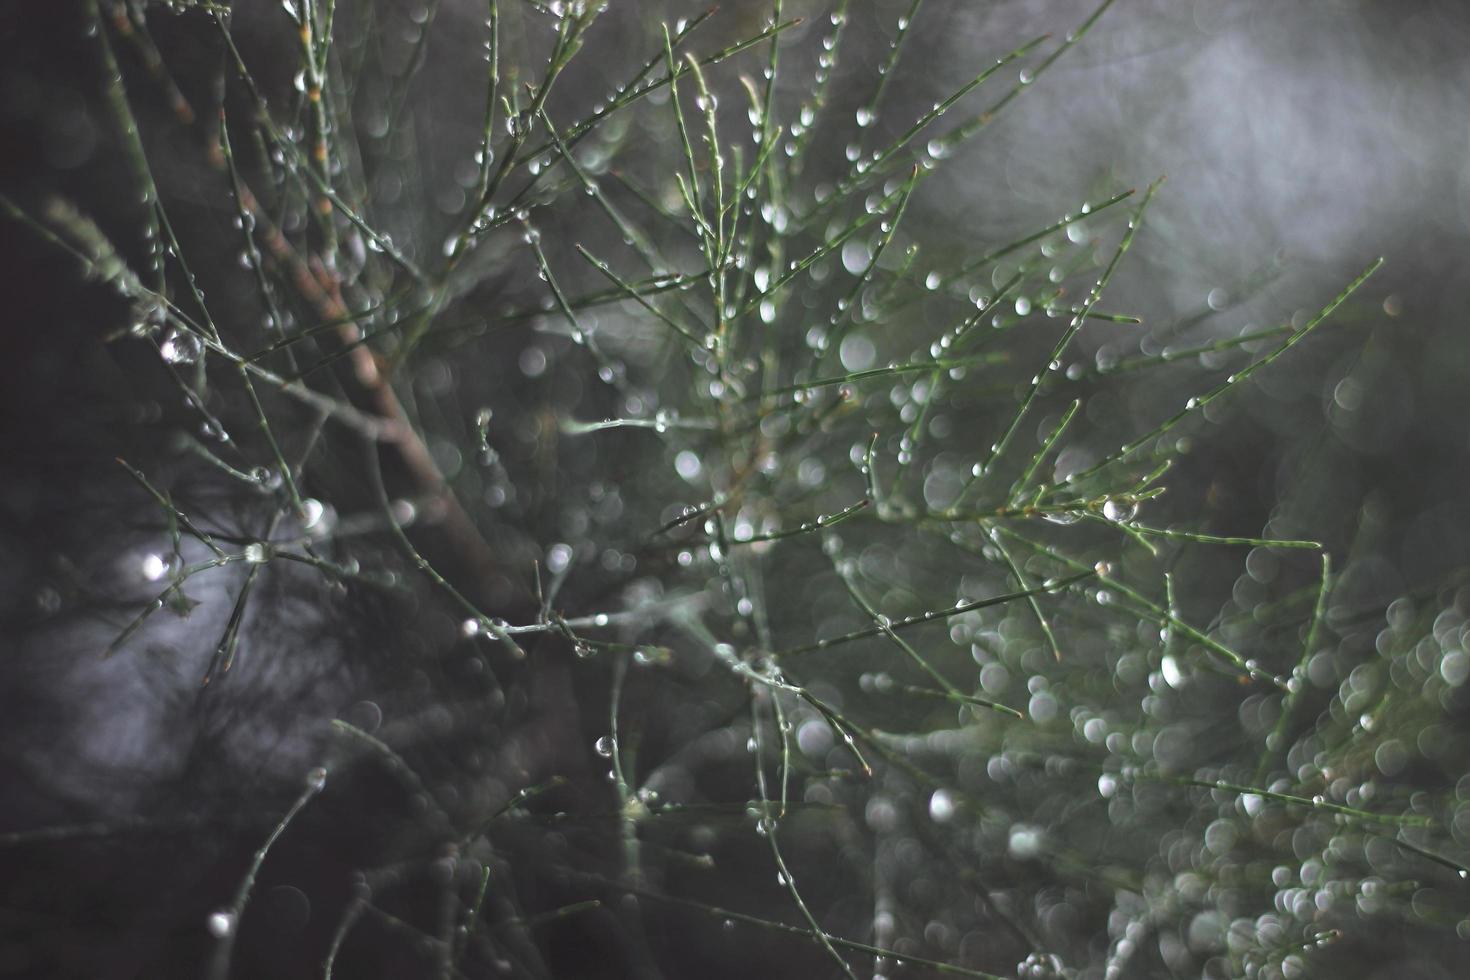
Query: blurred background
pixel 1299 142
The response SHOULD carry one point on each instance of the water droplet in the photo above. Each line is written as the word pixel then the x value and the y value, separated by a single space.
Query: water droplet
pixel 688 465
pixel 155 567
pixel 180 347
pixel 267 478
pixel 221 924
pixel 941 806
pixel 317 518
pixel 855 256
pixel 1024 842
pixel 257 552
pixel 604 746
pixel 1041 966
pixel 1173 675
pixel 1120 509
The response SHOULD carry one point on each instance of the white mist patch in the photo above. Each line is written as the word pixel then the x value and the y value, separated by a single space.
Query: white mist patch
pixel 122 724
pixel 1299 140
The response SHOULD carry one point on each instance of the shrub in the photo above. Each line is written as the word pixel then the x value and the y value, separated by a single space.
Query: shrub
pixel 655 553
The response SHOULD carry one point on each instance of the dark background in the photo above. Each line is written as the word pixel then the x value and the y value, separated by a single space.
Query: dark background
pixel 1300 141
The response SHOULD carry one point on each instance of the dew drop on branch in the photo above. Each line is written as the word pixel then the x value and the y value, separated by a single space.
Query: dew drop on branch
pixel 180 347
pixel 221 924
